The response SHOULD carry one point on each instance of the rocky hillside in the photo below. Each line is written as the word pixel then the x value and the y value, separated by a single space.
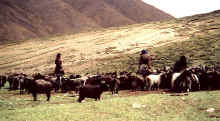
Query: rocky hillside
pixel 40 18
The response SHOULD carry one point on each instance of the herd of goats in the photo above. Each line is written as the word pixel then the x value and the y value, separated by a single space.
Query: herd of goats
pixel 92 86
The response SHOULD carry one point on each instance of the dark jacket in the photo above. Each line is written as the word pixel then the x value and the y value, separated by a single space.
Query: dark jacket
pixel 145 59
pixel 180 65
pixel 59 68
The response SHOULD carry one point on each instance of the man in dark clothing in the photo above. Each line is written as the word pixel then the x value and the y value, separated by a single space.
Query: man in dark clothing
pixel 144 67
pixel 180 65
pixel 58 69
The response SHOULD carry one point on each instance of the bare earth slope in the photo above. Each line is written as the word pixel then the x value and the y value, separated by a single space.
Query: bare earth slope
pixel 41 18
pixel 36 18
pixel 86 49
pixel 138 11
pixel 99 11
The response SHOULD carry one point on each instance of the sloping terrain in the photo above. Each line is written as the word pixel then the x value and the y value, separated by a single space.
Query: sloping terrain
pixel 197 37
pixel 94 51
pixel 28 19
pixel 99 11
pixel 41 18
pixel 138 11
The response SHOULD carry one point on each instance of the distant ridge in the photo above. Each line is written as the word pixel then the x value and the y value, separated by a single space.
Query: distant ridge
pixel 22 19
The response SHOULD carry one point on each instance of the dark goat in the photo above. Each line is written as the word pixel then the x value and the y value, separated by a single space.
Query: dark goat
pixel 2 81
pixel 23 84
pixel 73 76
pixel 26 84
pixel 125 82
pixel 39 86
pixel 56 81
pixel 210 80
pixel 137 81
pixel 91 91
pixel 113 82
pixel 38 76
pixel 209 77
pixel 13 81
pixel 94 80
pixel 114 85
pixel 71 84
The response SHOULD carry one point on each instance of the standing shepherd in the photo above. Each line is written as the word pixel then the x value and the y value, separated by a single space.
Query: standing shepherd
pixel 58 69
pixel 59 72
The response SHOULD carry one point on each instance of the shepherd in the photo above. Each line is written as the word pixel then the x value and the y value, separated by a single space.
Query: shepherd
pixel 180 65
pixel 58 69
pixel 144 67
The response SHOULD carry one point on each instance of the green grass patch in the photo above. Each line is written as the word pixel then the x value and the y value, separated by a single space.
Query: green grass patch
pixel 151 107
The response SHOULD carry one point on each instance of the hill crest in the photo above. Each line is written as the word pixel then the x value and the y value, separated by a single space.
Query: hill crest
pixel 30 19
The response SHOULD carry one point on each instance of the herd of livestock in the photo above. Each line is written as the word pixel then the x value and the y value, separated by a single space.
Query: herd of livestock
pixel 92 86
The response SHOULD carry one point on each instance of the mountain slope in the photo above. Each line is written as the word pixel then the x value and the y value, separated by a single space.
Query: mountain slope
pixel 40 18
pixel 138 11
pixel 101 12
pixel 24 19
pixel 117 48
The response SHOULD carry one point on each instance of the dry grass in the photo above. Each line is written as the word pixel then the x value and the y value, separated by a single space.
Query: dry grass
pixel 84 50
pixel 86 46
pixel 110 50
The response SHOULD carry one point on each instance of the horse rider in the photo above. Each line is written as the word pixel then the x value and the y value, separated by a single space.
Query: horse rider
pixel 180 65
pixel 144 67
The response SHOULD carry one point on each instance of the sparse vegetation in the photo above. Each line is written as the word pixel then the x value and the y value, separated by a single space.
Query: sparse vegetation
pixel 199 50
pixel 118 48
pixel 197 37
pixel 67 17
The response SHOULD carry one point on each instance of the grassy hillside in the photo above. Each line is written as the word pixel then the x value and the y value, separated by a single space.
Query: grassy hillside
pixel 118 48
pixel 113 49
pixel 202 46
pixel 203 50
pixel 138 106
